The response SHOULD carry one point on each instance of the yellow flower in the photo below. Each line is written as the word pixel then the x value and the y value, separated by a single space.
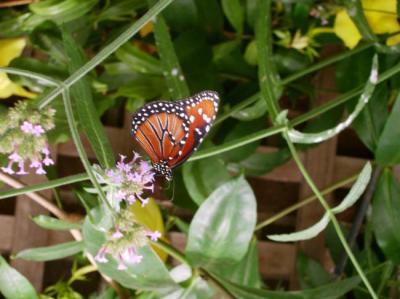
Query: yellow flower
pixel 150 216
pixel 10 49
pixel 381 17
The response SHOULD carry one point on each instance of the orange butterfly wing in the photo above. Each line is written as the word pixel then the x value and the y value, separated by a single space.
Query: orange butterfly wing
pixel 169 132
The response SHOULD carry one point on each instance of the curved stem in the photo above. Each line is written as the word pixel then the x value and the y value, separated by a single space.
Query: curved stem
pixel 305 202
pixel 45 203
pixel 332 217
pixel 79 147
pixel 29 74
pixel 47 185
pixel 106 51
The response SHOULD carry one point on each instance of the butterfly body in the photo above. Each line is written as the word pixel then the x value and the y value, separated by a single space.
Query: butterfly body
pixel 169 132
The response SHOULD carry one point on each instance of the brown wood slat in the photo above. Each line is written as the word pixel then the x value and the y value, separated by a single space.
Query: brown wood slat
pixel 6 232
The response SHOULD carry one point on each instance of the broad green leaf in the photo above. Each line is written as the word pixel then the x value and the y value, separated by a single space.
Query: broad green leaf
pixel 121 10
pixel 388 149
pixel 354 194
pixel 222 227
pixel 85 107
pixel 268 77
pixel 50 253
pixel 262 163
pixel 13 285
pixel 149 274
pixel 311 273
pixel 234 12
pixel 241 130
pixel 329 291
pixel 370 122
pixel 181 15
pixel 145 87
pixel 203 177
pixel 211 16
pixel 58 11
pixel 138 60
pixel 246 272
pixel 299 137
pixel 54 223
pixel 386 215
pixel 257 110
pixel 193 43
pixel 175 79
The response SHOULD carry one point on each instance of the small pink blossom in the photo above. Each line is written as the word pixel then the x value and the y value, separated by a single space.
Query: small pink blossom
pixel 38 130
pixel 14 157
pixel 8 169
pixel 154 236
pixel 21 170
pixel 101 255
pixel 26 127
pixel 48 161
pixel 117 234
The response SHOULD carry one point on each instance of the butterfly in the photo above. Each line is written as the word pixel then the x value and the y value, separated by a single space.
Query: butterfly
pixel 169 132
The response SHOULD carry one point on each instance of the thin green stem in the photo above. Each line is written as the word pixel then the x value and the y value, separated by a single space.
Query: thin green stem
pixel 29 74
pixel 106 51
pixel 47 185
pixel 172 251
pixel 219 149
pixel 304 202
pixel 79 146
pixel 325 63
pixel 332 217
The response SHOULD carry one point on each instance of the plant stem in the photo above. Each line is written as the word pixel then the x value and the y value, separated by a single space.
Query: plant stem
pixel 47 185
pixel 79 147
pixel 209 276
pixel 357 222
pixel 29 74
pixel 332 217
pixel 219 149
pixel 305 202
pixel 172 251
pixel 106 51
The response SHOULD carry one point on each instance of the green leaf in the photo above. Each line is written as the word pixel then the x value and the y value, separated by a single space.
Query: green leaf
pixel 246 272
pixel 222 227
pixel 120 10
pixel 261 163
pixel 151 274
pixel 85 107
pixel 138 60
pixel 299 137
pixel 387 152
pixel 143 87
pixel 269 79
pixel 54 223
pixel 234 11
pixel 354 194
pixel 240 130
pixel 203 177
pixel 386 215
pixel 58 11
pixel 370 122
pixel 50 253
pixel 173 73
pixel 311 274
pixel 257 110
pixel 329 291
pixel 190 44
pixel 13 285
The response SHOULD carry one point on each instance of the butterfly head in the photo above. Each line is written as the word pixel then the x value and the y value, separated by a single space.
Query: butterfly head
pixel 163 169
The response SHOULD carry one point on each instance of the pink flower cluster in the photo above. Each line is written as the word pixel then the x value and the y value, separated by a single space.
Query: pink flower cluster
pixel 132 179
pixel 42 158
pixel 122 244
